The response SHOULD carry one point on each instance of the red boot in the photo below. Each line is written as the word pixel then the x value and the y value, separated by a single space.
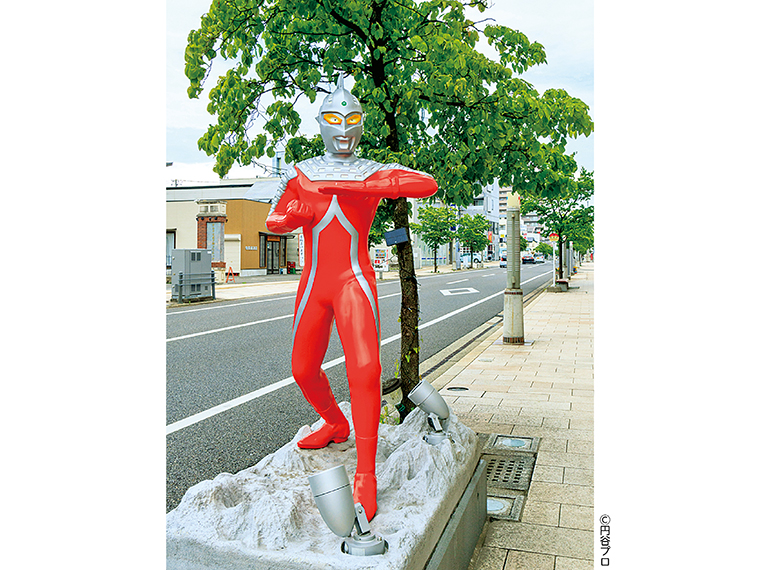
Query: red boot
pixel 336 429
pixel 365 492
pixel 325 435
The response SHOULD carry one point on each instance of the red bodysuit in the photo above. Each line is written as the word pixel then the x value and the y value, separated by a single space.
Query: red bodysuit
pixel 335 202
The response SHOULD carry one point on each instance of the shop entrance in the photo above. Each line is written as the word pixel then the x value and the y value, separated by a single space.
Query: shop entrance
pixel 273 256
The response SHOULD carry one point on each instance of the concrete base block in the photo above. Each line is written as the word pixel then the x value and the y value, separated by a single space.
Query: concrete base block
pixel 458 541
pixel 265 516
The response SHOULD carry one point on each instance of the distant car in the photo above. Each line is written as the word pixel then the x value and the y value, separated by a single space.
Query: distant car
pixel 539 258
pixel 503 260
pixel 465 259
pixel 527 257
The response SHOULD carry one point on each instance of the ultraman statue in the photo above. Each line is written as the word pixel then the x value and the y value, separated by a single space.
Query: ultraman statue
pixel 334 198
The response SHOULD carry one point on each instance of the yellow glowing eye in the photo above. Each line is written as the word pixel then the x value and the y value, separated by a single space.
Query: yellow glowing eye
pixel 333 119
pixel 354 119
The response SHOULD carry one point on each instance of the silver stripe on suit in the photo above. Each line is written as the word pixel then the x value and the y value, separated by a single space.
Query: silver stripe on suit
pixel 334 211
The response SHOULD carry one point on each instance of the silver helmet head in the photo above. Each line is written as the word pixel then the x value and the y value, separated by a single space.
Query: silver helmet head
pixel 341 120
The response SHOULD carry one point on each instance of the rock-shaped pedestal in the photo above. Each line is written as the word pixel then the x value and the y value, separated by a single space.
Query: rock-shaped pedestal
pixel 265 516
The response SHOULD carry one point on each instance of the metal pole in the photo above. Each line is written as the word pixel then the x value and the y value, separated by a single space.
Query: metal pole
pixel 513 294
pixel 554 263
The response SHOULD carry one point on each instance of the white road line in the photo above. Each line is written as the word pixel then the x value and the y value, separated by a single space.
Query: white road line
pixel 391 295
pixel 249 324
pixel 290 316
pixel 215 307
pixel 200 416
pixel 460 281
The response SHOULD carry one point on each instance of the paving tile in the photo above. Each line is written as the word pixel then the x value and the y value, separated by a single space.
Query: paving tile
pixel 535 421
pixel 518 560
pixel 570 398
pixel 490 399
pixel 506 409
pixel 561 493
pixel 556 422
pixel 490 559
pixel 586 447
pixel 581 424
pixel 576 516
pixel 556 444
pixel 503 376
pixel 543 539
pixel 538 399
pixel 548 474
pixel 469 394
pixel 539 512
pixel 585 435
pixel 558 458
pixel 563 563
pixel 480 426
pixel 574 476
pixel 542 404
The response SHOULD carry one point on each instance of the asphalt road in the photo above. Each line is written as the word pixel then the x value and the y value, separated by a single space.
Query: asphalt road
pixel 230 399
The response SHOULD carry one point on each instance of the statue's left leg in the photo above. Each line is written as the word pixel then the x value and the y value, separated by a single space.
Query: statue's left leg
pixel 359 334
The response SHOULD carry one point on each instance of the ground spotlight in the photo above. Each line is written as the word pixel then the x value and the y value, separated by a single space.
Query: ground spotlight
pixel 332 493
pixel 430 401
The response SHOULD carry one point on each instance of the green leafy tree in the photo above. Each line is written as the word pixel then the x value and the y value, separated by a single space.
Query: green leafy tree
pixel 480 120
pixel 544 249
pixel 472 233
pixel 566 209
pixel 435 228
pixel 523 244
pixel 383 219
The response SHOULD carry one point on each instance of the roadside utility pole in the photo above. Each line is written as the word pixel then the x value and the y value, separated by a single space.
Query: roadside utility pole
pixel 513 294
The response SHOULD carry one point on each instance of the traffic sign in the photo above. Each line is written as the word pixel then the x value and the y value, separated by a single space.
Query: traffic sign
pixel 553 236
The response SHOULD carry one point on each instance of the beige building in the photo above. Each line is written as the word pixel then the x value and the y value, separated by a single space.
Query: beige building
pixel 228 218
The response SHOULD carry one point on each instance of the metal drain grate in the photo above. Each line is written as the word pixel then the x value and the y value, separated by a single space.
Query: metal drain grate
pixel 509 471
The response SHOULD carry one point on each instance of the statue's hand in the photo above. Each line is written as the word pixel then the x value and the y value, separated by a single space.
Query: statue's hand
pixel 299 213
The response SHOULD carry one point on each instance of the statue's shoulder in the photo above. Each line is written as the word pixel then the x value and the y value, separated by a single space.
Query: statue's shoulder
pixel 309 166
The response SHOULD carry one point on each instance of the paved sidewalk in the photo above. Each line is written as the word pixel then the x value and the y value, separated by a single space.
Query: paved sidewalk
pixel 544 390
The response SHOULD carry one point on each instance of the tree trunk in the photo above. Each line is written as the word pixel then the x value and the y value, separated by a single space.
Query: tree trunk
pixel 560 247
pixel 435 259
pixel 409 364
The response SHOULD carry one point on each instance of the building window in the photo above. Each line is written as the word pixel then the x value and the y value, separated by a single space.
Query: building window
pixel 262 250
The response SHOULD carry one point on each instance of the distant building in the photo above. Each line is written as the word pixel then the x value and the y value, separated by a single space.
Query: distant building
pixel 487 205
pixel 228 217
pixel 530 228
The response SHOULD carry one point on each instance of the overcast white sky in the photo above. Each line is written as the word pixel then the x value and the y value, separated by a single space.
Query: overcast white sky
pixel 566 30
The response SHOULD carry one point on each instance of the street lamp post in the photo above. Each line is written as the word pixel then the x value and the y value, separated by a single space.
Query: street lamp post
pixel 513 295
pixel 554 237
